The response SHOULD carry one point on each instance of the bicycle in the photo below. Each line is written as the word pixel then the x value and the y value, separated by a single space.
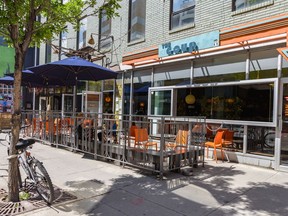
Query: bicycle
pixel 36 174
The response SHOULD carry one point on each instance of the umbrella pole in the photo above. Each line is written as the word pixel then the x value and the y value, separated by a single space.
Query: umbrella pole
pixel 74 113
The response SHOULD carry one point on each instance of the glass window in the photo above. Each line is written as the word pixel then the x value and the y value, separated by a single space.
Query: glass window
pixel 263 64
pixel 182 13
pixel 242 4
pixel 137 20
pixel 141 84
pixel 161 102
pixel 82 33
pixel 284 68
pixel 63 44
pixel 48 52
pixel 173 74
pixel 108 84
pixel 248 102
pixel 127 90
pixel 220 69
pixel 105 41
pixel 94 86
pixel 261 140
pixel 108 102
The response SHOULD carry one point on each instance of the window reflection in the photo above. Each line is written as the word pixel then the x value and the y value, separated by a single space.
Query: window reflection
pixel 249 102
pixel 105 42
pixel 140 98
pixel 161 102
pixel 261 140
pixel 241 4
pixel 182 13
pixel 137 20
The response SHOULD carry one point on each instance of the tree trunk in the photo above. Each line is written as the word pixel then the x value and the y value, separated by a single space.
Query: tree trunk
pixel 13 185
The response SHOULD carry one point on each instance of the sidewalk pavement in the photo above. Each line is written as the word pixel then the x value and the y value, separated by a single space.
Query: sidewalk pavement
pixel 103 188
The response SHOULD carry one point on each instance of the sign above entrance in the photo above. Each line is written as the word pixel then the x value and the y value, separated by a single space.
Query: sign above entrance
pixel 191 44
pixel 284 52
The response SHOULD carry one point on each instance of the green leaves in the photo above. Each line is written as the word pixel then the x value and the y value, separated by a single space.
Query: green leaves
pixel 31 22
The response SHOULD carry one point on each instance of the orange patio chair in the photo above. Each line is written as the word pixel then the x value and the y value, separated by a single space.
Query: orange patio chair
pixel 181 142
pixel 142 139
pixel 216 144
pixel 228 138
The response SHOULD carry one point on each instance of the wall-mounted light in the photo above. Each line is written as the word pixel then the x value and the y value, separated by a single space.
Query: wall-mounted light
pixel 142 104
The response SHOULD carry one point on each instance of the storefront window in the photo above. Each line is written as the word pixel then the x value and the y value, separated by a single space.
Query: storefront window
pixel 108 102
pixel 173 74
pixel 284 68
pixel 81 86
pixel 141 84
pixel 94 86
pixel 127 90
pixel 263 64
pixel 161 102
pixel 140 98
pixel 261 141
pixel 249 102
pixel 221 69
pixel 108 85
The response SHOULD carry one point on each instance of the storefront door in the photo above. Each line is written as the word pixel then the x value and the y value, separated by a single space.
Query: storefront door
pixel 67 104
pixel 283 125
pixel 43 104
pixel 90 102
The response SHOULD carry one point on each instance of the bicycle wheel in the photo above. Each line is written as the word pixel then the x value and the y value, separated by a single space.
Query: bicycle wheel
pixel 269 140
pixel 43 182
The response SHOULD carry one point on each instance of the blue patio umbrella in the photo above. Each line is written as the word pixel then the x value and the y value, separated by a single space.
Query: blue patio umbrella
pixel 74 69
pixel 7 80
pixel 31 79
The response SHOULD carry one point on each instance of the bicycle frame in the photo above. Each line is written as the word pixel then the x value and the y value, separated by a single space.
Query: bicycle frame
pixel 24 161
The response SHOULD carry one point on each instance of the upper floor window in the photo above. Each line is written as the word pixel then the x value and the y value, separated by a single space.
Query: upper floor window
pixel 82 33
pixel 105 41
pixel 63 44
pixel 242 4
pixel 137 17
pixel 48 51
pixel 182 13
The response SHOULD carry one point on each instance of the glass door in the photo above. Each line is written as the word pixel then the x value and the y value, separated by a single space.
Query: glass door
pixel 67 104
pixel 284 125
pixel 90 102
pixel 42 105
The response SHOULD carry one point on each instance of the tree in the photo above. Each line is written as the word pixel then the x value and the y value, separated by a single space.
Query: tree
pixel 21 26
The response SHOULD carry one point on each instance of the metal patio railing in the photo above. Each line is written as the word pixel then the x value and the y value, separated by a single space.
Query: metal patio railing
pixel 107 137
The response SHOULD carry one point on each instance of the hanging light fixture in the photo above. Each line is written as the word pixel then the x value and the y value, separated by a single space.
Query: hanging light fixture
pixel 107 99
pixel 190 98
pixel 91 40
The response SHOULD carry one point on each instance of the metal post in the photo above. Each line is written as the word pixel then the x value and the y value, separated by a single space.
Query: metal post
pixel 162 143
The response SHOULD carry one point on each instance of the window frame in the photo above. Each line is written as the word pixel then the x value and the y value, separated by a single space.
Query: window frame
pixel 275 105
pixel 80 31
pixel 172 13
pixel 100 38
pixel 250 7
pixel 130 26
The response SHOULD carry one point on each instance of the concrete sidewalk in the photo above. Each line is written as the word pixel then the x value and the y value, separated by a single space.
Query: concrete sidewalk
pixel 106 189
